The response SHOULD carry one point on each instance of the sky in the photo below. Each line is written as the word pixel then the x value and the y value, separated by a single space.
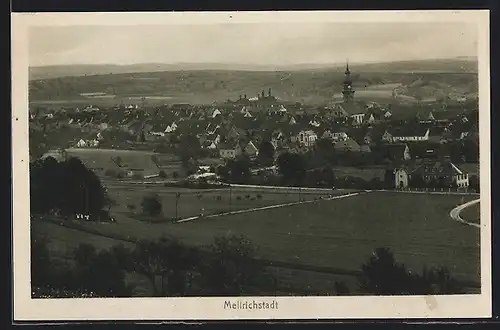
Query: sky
pixel 250 43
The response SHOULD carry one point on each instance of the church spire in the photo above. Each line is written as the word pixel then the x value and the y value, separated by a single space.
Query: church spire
pixel 348 91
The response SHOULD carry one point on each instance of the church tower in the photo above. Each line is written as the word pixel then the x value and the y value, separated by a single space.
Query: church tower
pixel 348 91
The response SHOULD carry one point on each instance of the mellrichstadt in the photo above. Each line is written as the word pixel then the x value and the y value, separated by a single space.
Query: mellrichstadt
pixel 250 304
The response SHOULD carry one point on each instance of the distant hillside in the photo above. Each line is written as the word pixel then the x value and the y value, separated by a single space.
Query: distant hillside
pixel 312 85
pixel 463 64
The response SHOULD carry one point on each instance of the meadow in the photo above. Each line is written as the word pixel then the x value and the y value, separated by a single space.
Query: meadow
pixel 310 246
pixel 212 201
pixel 339 233
pixel 100 160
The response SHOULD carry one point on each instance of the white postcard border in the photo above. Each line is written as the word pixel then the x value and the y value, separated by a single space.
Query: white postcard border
pixel 25 308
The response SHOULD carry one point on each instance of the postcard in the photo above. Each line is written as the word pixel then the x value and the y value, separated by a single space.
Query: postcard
pixel 251 165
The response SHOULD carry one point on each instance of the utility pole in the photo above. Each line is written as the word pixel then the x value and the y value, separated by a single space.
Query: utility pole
pixel 177 196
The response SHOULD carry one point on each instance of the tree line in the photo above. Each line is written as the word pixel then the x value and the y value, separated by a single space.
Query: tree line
pixel 227 267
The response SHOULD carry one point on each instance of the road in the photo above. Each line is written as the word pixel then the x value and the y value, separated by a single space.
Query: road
pixel 455 213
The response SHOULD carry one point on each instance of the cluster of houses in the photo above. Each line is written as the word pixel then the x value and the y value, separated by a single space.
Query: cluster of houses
pixel 234 128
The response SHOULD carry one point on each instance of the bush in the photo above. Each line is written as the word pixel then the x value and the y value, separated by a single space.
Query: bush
pixel 151 205
pixel 162 174
pixel 238 198
pixel 382 275
pixel 175 175
pixel 259 196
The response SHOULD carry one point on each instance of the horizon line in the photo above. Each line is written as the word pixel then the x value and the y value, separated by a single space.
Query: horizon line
pixel 326 64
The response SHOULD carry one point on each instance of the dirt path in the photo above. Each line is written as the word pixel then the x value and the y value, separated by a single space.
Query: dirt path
pixel 264 208
pixel 455 213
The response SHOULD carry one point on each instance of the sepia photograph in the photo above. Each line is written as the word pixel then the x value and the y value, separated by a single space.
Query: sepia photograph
pixel 251 165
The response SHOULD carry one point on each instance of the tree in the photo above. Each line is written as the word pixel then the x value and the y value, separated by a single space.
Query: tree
pixel 266 153
pixel 292 167
pixel 389 179
pixel 68 187
pixel 100 272
pixel 324 149
pixel 328 176
pixel 239 170
pixel 189 147
pixel 232 270
pixel 162 174
pixel 190 165
pixel 83 191
pixel 41 265
pixel 151 206
pixel 169 260
pixel 382 275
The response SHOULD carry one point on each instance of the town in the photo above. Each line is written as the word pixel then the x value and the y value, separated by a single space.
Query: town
pixel 432 144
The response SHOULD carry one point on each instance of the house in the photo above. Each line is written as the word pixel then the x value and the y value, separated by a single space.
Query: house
pixel 386 136
pixel 230 150
pixel 335 112
pixel 358 119
pixel 305 137
pixel 235 133
pixel 411 133
pixel 314 123
pixel 81 144
pixel 347 145
pixel 396 152
pixel 400 178
pixel 103 126
pixel 251 150
pixel 371 119
pixel 444 172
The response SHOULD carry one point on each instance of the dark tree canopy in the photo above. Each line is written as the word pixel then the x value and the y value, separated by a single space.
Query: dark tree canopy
pixel 231 269
pixel 238 170
pixel 266 153
pixel 68 187
pixel 151 205
pixel 292 167
pixel 383 275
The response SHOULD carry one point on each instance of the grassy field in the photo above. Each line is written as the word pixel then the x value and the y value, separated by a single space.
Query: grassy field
pixel 472 213
pixel 340 233
pixel 63 241
pixel 194 202
pixel 101 159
